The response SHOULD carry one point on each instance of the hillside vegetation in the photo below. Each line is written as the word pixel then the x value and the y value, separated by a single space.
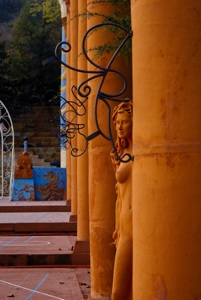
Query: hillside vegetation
pixel 28 36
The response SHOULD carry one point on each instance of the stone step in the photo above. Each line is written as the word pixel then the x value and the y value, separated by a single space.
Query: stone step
pixel 38 162
pixel 30 122
pixel 35 259
pixel 35 139
pixel 39 150
pixel 32 127
pixel 36 110
pixel 30 134
pixel 35 113
pixel 35 129
pixel 41 143
pixel 35 124
pixel 32 250
pixel 34 206
pixel 40 158
pixel 42 250
pixel 29 222
pixel 29 227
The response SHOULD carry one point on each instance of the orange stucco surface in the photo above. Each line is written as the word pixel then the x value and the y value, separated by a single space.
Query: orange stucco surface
pixel 166 186
pixel 166 135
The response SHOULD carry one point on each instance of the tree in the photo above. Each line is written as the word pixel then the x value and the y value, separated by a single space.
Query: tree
pixel 122 16
pixel 36 33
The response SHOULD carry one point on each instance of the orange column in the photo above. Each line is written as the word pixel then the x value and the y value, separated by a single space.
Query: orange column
pixel 81 251
pixel 167 146
pixel 72 80
pixel 68 155
pixel 82 161
pixel 102 194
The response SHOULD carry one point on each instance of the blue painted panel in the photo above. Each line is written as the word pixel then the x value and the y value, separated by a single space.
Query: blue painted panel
pixel 23 190
pixel 49 183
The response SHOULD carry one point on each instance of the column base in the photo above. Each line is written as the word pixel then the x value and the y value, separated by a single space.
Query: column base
pixel 73 218
pixel 81 253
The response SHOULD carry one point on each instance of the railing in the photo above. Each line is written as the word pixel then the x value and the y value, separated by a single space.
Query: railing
pixel 6 152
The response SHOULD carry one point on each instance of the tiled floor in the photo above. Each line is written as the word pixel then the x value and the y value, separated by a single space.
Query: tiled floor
pixel 38 217
pixel 45 282
pixel 36 244
pixel 6 202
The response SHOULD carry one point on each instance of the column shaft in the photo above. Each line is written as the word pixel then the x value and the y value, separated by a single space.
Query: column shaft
pixel 102 194
pixel 82 161
pixel 68 94
pixel 167 146
pixel 73 82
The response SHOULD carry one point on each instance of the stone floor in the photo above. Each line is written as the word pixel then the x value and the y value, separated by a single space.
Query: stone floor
pixel 37 265
pixel 44 283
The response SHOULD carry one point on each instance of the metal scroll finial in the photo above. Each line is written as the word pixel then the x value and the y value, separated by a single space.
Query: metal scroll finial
pixel 76 106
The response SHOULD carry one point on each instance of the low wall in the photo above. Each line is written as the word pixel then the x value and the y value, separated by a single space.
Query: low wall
pixel 47 184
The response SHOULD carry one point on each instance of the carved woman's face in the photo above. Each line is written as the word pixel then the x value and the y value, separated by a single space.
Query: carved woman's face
pixel 124 125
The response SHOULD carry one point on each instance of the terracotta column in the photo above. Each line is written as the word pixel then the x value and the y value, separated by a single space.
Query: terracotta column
pixel 68 94
pixel 72 81
pixel 167 148
pixel 81 251
pixel 102 195
pixel 82 161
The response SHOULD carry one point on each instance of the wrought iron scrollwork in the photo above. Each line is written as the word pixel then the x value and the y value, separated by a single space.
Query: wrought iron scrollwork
pixel 76 106
pixel 6 151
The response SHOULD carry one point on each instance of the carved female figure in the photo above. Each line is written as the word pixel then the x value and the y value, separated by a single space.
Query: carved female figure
pixel 123 239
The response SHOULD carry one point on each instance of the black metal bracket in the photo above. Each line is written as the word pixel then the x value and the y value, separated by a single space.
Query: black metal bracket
pixel 76 107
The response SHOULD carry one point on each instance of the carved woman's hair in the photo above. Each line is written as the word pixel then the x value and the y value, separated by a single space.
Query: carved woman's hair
pixel 121 143
pixel 122 107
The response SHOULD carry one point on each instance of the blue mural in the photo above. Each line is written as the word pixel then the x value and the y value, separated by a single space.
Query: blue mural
pixel 23 190
pixel 49 183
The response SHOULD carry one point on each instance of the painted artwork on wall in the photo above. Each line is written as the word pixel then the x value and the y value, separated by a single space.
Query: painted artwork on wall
pixel 23 190
pixel 49 183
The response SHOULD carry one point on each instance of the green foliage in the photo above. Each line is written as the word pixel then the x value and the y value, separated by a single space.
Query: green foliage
pixel 36 33
pixel 49 9
pixel 34 40
pixel 121 15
